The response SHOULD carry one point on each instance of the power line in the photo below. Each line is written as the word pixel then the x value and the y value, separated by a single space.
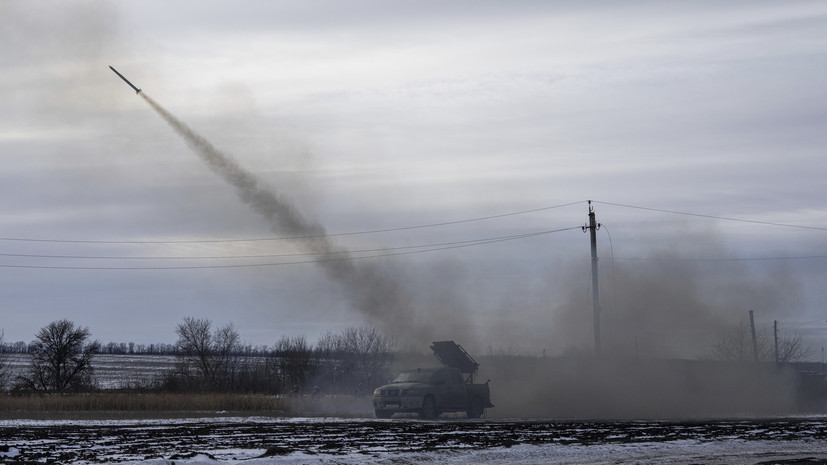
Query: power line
pixel 260 239
pixel 614 280
pixel 722 259
pixel 741 220
pixel 718 259
pixel 297 254
pixel 250 265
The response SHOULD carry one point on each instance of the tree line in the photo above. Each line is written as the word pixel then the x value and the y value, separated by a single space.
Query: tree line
pixel 131 348
pixel 210 358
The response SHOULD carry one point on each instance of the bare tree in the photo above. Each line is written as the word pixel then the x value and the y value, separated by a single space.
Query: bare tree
pixel 210 354
pixel 61 358
pixel 372 352
pixel 294 360
pixel 362 357
pixel 792 349
pixel 327 345
pixel 735 345
pixel 195 344
pixel 226 346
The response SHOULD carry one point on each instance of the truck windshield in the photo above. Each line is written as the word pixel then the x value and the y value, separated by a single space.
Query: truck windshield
pixel 415 376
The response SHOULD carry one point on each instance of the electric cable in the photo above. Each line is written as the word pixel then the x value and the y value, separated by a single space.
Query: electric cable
pixel 741 220
pixel 612 251
pixel 721 259
pixel 260 239
pixel 251 265
pixel 297 254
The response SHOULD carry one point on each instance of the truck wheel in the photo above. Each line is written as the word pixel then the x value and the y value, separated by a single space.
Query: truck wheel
pixel 428 410
pixel 475 408
pixel 383 413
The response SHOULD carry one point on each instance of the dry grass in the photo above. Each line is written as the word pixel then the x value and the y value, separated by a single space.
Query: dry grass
pixel 340 406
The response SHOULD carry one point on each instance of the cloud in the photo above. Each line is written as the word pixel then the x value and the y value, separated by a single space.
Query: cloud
pixel 371 115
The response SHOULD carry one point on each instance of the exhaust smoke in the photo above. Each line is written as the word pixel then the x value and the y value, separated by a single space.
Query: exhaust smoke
pixel 661 315
pixel 375 294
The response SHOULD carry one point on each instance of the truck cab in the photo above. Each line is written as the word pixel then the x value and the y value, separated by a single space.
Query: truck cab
pixel 431 391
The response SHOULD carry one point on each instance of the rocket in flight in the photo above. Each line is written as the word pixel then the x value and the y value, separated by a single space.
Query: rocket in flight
pixel 137 91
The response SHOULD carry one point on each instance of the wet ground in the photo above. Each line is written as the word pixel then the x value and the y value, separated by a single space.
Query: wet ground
pixel 263 440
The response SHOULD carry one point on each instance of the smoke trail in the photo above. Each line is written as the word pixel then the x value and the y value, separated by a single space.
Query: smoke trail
pixel 376 295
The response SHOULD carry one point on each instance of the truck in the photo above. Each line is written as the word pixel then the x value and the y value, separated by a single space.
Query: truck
pixel 432 391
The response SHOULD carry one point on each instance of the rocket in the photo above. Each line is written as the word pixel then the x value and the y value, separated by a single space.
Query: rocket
pixel 137 91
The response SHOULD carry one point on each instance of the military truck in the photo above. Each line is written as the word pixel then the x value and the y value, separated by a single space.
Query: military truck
pixel 430 392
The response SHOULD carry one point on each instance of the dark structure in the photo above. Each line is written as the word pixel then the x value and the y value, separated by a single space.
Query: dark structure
pixel 137 91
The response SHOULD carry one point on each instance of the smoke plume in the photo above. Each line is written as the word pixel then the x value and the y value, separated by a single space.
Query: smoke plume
pixel 370 291
pixel 669 306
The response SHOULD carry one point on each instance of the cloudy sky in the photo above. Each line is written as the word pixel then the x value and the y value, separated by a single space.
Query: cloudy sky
pixel 697 128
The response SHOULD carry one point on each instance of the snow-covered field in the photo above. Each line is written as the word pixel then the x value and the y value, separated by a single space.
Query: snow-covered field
pixel 263 441
pixel 112 371
pixel 260 441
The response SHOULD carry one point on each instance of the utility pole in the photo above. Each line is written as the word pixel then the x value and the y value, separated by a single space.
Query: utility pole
pixel 593 226
pixel 775 336
pixel 754 339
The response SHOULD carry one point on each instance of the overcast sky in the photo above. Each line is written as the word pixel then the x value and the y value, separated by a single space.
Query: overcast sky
pixel 374 115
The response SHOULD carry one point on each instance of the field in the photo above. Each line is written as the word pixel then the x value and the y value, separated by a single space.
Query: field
pixel 114 371
pixel 261 441
pixel 122 425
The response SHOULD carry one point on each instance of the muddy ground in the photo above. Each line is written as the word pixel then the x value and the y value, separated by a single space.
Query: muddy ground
pixel 307 440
